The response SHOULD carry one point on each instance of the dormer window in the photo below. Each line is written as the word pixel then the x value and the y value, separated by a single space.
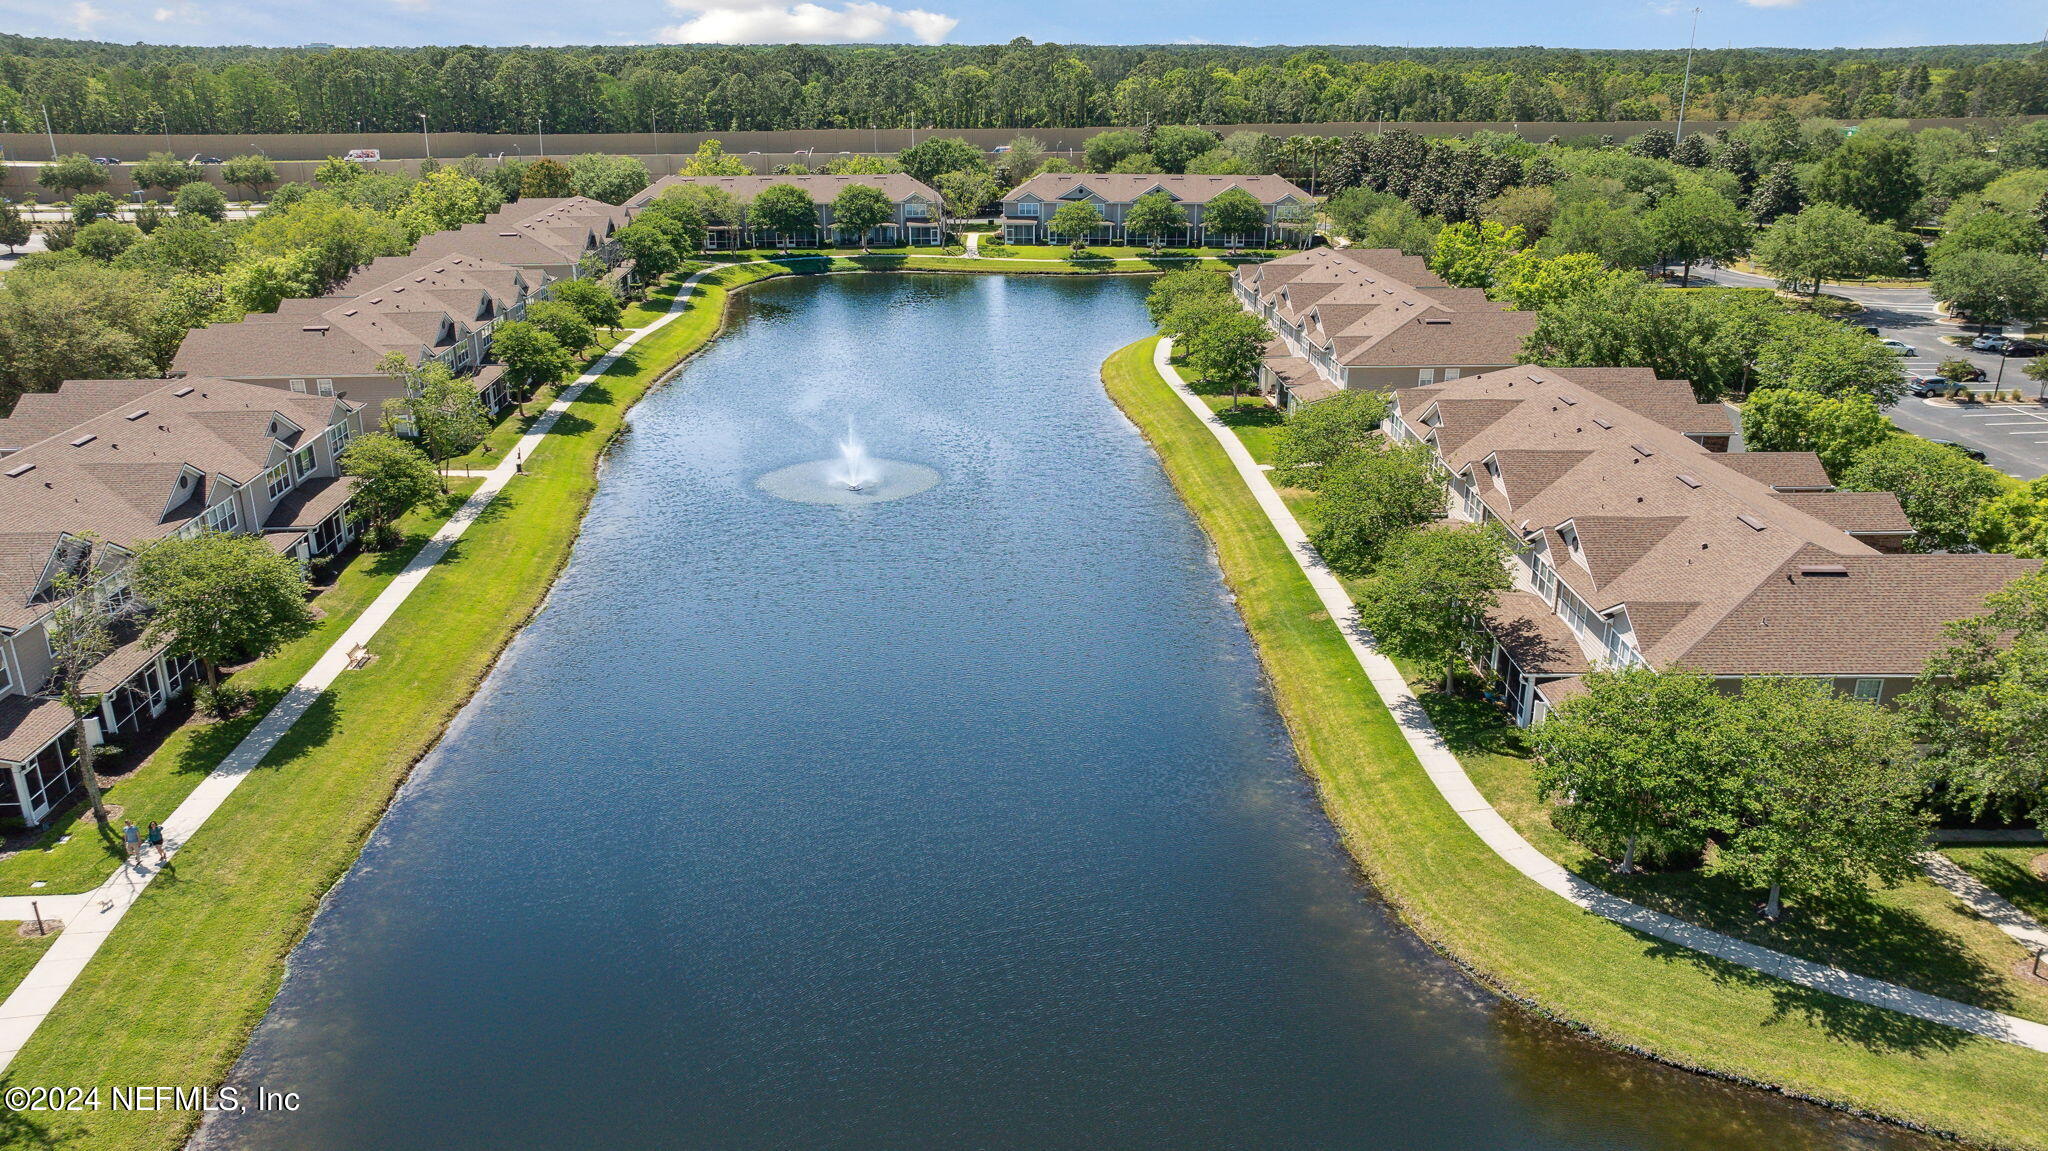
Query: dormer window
pixel 1570 536
pixel 1493 470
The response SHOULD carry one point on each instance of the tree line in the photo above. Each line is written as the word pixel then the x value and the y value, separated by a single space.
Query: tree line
pixel 97 87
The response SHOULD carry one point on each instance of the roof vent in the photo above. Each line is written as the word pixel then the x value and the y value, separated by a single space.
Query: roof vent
pixel 84 439
pixel 1603 423
pixel 136 414
pixel 1642 451
pixel 1836 571
pixel 1751 522
pixel 1687 480
pixel 314 328
pixel 20 470
pixel 1567 401
pixel 1429 321
pixel 185 391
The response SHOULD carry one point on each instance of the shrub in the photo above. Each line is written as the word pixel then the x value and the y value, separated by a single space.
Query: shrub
pixel 221 701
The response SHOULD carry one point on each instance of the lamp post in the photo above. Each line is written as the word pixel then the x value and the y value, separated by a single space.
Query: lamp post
pixel 1685 89
pixel 425 142
pixel 164 118
pixel 47 131
pixel 540 130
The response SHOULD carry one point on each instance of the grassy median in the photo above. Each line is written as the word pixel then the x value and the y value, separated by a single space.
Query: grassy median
pixel 1629 989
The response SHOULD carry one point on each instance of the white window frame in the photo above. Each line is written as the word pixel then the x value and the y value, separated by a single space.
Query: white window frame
pixel 223 516
pixel 1029 209
pixel 324 387
pixel 278 480
pixel 1424 376
pixel 303 463
pixel 299 386
pixel 1868 689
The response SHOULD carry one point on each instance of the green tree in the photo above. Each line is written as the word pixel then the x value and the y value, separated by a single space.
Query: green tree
pixel 1828 793
pixel 860 209
pixel 80 633
pixel 1175 288
pixel 1872 173
pixel 531 357
pixel 72 174
pixel 1816 354
pixel 606 177
pixel 1105 150
pixel 261 283
pixel 595 302
pixel 1430 584
pixel 1075 221
pixel 1694 225
pixel 1640 753
pixel 563 321
pixel 2015 521
pixel 84 321
pixel 335 172
pixel 220 598
pixel 103 240
pixel 1021 162
pixel 1530 282
pixel 252 174
pixel 1318 436
pixel 1939 488
pixel 1826 242
pixel 1174 146
pixel 327 236
pixel 90 206
pixel 782 209
pixel 1992 287
pixel 938 154
pixel 444 414
pixel 1370 496
pixel 165 172
pixel 447 199
pixel 392 477
pixel 201 200
pixel 1153 215
pixel 1228 349
pixel 14 227
pixel 711 160
pixel 1470 255
pixel 653 249
pixel 1988 229
pixel 1196 313
pixel 547 179
pixel 1836 428
pixel 966 192
pixel 1980 706
pixel 1234 214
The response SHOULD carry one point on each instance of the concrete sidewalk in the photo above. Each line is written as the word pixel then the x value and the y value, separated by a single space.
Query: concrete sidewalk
pixel 1457 788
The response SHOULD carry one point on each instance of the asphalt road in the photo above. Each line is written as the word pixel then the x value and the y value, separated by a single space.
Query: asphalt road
pixel 2013 439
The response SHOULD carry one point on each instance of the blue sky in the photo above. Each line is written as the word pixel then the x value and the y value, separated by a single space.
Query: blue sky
pixel 1596 24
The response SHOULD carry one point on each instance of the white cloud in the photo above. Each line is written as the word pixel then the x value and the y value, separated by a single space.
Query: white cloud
pixel 182 13
pixel 768 22
pixel 84 16
pixel 413 5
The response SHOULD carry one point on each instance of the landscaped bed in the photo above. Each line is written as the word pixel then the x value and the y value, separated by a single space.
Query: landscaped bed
pixel 1670 1002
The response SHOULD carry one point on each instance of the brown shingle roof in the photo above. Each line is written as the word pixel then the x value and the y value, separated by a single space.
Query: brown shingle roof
pixel 1857 512
pixel 823 189
pixel 1124 187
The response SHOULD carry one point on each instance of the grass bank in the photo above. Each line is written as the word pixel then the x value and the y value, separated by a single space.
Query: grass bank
pixel 1629 989
pixel 174 992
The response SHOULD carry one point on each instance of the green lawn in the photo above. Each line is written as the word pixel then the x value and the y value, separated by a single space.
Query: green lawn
pixel 177 987
pixel 1457 893
pixel 1127 252
pixel 18 953
pixel 156 787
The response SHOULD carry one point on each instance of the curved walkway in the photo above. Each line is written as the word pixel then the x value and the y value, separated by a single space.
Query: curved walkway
pixel 91 916
pixel 1457 788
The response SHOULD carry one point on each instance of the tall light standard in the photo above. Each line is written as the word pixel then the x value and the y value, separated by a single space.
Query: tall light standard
pixel 164 118
pixel 540 130
pixel 47 131
pixel 1685 89
pixel 425 142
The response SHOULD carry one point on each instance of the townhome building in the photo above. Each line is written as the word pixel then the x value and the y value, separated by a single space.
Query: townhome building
pixel 1029 207
pixel 1638 543
pixel 107 466
pixel 1371 318
pixel 425 308
pixel 915 215
pixel 548 239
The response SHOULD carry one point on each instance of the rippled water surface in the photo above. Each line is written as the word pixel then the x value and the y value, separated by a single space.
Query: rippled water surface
pixel 962 821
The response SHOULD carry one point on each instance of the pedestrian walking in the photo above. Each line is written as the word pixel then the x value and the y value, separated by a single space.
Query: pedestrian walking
pixel 156 840
pixel 132 838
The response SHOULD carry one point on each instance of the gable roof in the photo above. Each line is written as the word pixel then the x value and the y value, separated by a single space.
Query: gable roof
pixel 823 188
pixel 1124 187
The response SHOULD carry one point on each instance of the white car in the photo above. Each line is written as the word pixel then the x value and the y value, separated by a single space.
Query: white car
pixel 1900 347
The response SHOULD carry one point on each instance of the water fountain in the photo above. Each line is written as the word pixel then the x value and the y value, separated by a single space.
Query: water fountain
pixel 854 477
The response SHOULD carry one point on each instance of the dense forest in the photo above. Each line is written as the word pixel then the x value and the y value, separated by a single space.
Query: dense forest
pixel 97 87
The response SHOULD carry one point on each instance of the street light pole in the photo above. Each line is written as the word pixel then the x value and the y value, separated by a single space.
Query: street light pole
pixel 164 118
pixel 425 143
pixel 47 131
pixel 540 129
pixel 1685 89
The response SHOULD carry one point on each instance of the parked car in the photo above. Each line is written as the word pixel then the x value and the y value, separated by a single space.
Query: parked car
pixel 1924 386
pixel 363 155
pixel 1991 343
pixel 105 160
pixel 2020 349
pixel 1900 347
pixel 1965 449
